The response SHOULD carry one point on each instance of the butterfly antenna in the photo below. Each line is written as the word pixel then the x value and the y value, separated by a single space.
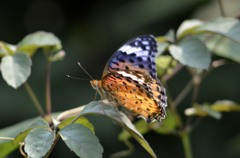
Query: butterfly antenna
pixel 85 70
pixel 76 78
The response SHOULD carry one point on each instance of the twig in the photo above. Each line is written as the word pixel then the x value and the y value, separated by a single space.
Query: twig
pixel 48 89
pixel 34 98
pixel 220 3
pixel 186 144
pixel 175 71
pixel 183 94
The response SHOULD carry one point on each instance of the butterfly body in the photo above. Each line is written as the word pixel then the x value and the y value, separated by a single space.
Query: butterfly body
pixel 130 79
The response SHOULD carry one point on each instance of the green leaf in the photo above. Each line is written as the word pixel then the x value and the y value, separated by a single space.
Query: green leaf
pixel 141 126
pixel 191 52
pixel 225 106
pixel 106 108
pixel 6 49
pixel 56 56
pixel 46 40
pixel 213 110
pixel 40 123
pixel 202 111
pixel 228 27
pixel 81 141
pixel 187 27
pixel 82 120
pixel 165 64
pixel 8 147
pixel 161 47
pixel 38 142
pixel 16 69
pixel 222 46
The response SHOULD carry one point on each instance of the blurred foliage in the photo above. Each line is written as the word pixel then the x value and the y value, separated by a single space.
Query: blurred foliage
pixel 90 33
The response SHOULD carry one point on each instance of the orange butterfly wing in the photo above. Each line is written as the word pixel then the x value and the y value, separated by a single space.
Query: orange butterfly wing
pixel 137 92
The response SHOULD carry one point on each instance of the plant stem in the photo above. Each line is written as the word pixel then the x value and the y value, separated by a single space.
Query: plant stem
pixel 186 144
pixel 34 98
pixel 220 3
pixel 167 77
pixel 183 94
pixel 6 138
pixel 48 89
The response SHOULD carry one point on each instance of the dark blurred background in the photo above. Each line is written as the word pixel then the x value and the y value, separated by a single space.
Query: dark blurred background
pixel 90 32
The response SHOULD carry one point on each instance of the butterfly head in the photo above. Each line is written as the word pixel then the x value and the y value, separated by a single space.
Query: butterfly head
pixel 98 86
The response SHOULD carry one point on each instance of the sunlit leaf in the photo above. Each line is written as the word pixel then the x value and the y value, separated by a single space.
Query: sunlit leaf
pixel 165 64
pixel 16 69
pixel 187 27
pixel 8 147
pixel 45 40
pixel 59 55
pixel 81 141
pixel 192 52
pixel 82 120
pixel 6 49
pixel 225 106
pixel 38 142
pixel 228 27
pixel 202 111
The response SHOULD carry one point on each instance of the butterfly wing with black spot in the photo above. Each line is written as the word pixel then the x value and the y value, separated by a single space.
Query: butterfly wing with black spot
pixel 137 92
pixel 137 54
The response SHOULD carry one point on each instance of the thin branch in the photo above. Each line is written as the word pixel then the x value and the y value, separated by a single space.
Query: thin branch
pixel 220 3
pixel 183 94
pixel 175 71
pixel 186 144
pixel 48 89
pixel 196 86
pixel 6 138
pixel 34 99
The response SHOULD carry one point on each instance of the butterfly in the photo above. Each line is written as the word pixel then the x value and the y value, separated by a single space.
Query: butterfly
pixel 130 79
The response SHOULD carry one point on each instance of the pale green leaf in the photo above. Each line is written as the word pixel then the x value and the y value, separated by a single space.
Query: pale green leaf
pixel 81 141
pixel 16 69
pixel 6 49
pixel 187 27
pixel 38 142
pixel 222 46
pixel 8 147
pixel 228 27
pixel 82 120
pixel 191 52
pixel 40 39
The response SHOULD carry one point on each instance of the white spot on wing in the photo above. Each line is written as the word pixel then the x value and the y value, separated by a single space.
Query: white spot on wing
pixel 145 42
pixel 129 49
pixel 133 77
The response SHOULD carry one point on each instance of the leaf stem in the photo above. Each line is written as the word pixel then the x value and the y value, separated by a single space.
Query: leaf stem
pixel 34 99
pixel 167 77
pixel 183 93
pixel 6 138
pixel 48 89
pixel 186 144
pixel 220 3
